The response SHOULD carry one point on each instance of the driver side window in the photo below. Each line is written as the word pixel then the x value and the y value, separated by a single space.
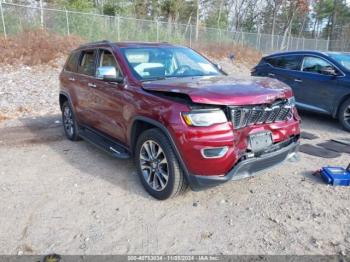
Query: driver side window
pixel 107 59
pixel 316 65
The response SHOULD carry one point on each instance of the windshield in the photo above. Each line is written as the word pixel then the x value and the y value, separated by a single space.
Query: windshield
pixel 152 63
pixel 341 58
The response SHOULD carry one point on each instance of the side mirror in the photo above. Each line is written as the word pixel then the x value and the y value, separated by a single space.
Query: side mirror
pixel 109 74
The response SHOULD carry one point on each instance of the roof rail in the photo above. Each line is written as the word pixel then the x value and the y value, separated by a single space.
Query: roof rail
pixel 96 43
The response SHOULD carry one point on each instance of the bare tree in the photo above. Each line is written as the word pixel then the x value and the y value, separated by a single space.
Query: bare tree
pixel 197 20
pixel 292 8
pixel 276 5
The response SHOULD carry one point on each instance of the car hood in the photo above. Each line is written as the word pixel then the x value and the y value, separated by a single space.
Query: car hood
pixel 225 90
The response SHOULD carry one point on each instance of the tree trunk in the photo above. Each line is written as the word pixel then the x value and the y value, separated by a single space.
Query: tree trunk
pixel 334 18
pixel 188 23
pixel 219 15
pixel 289 37
pixel 302 27
pixel 41 14
pixel 301 31
pixel 314 30
pixel 286 30
pixel 197 21
pixel 170 19
pixel 273 26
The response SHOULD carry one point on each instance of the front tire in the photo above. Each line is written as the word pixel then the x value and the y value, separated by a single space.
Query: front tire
pixel 158 166
pixel 70 124
pixel 344 115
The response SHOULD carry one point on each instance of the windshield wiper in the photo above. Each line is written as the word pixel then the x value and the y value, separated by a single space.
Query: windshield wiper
pixel 169 77
pixel 158 78
pixel 153 79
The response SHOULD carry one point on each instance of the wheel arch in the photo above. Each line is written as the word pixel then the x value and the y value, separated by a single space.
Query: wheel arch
pixel 342 100
pixel 63 97
pixel 137 127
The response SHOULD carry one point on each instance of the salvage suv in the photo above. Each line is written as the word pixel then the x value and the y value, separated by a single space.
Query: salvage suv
pixel 179 115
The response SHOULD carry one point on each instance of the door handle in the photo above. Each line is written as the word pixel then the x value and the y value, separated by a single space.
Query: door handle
pixel 71 79
pixel 91 85
pixel 298 80
pixel 271 74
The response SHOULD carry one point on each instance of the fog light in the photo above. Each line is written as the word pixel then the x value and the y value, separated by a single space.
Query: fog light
pixel 214 152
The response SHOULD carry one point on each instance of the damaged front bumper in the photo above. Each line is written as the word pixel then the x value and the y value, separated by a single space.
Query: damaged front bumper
pixel 250 166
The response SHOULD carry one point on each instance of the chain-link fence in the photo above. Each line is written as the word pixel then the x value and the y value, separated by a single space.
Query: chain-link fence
pixel 15 18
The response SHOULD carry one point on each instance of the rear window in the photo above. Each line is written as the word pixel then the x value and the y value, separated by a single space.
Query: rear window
pixel 290 62
pixel 72 62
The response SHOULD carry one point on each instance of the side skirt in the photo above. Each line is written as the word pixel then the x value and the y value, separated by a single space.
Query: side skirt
pixel 104 142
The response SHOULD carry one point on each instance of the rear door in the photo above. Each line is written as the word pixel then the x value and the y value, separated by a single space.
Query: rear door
pixel 68 80
pixel 316 89
pixel 85 83
pixel 285 68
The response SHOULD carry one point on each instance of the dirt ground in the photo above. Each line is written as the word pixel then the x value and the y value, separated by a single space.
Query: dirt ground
pixel 71 198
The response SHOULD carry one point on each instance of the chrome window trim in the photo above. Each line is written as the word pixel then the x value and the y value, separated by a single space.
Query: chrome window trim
pixel 322 58
pixel 301 67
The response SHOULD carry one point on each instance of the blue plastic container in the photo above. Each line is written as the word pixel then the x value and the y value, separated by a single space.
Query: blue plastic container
pixel 336 176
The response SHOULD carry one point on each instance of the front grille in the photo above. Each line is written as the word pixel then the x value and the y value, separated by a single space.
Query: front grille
pixel 243 116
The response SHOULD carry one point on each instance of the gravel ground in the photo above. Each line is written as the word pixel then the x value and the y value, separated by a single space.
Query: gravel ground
pixel 33 90
pixel 27 91
pixel 71 198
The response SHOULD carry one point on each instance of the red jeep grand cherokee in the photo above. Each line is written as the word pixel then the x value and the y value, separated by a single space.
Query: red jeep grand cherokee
pixel 181 117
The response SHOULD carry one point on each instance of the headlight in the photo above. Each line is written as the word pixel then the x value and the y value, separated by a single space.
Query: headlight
pixel 204 117
pixel 293 111
pixel 291 101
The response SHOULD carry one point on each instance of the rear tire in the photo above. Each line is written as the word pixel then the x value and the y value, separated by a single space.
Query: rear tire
pixel 344 115
pixel 158 166
pixel 70 125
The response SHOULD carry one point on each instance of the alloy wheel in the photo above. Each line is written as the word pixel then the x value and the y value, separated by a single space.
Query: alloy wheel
pixel 154 165
pixel 347 115
pixel 68 121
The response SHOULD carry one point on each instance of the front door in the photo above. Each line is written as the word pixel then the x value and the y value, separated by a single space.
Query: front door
pixel 315 88
pixel 110 99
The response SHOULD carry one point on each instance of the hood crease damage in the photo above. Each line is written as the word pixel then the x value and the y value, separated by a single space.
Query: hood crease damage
pixel 221 90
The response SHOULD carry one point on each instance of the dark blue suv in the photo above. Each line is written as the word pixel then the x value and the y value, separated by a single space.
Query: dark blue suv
pixel 320 80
